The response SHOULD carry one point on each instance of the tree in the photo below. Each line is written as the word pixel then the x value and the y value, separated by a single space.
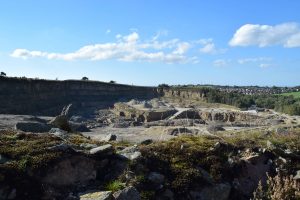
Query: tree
pixel 3 74
pixel 112 81
pixel 163 85
pixel 85 78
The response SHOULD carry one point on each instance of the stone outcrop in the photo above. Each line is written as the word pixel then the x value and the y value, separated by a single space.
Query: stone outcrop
pixel 147 115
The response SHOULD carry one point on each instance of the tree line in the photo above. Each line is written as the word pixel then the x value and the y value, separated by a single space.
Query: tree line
pixel 284 104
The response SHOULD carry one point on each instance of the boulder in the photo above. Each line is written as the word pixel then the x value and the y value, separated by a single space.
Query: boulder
pixel 106 149
pixel 146 142
pixel 132 156
pixel 156 178
pixel 128 193
pixel 78 127
pixel 168 195
pixel 253 170
pixel 58 132
pixel 214 128
pixel 61 122
pixel 87 145
pixel 12 194
pixel 282 131
pixel 110 137
pixel 131 153
pixel 77 119
pixel 217 192
pixel 71 171
pixel 92 195
pixel 3 159
pixel 121 125
pixel 62 147
pixel 297 177
pixel 182 131
pixel 34 127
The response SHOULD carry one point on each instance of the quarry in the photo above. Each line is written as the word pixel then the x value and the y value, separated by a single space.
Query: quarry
pixel 92 140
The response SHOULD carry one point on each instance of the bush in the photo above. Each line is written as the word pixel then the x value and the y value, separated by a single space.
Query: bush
pixel 278 188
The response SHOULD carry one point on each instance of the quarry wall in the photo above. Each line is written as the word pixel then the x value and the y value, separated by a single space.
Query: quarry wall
pixel 48 97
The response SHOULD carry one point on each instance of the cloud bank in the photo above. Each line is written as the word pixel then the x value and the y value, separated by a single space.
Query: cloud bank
pixel 125 48
pixel 286 35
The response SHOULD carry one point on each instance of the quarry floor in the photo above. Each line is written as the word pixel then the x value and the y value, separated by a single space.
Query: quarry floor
pixel 136 134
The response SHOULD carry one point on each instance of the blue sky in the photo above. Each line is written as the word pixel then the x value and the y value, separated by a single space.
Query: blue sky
pixel 151 42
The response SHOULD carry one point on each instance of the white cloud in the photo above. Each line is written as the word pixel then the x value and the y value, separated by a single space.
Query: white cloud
pixel 249 60
pixel 209 47
pixel 160 33
pixel 262 62
pixel 265 65
pixel 182 48
pixel 131 38
pixel 131 48
pixel 118 36
pixel 126 48
pixel 108 31
pixel 221 63
pixel 286 34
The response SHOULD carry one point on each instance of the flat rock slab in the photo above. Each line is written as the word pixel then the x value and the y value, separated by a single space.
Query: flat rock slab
pixel 103 195
pixel 34 127
pixel 104 149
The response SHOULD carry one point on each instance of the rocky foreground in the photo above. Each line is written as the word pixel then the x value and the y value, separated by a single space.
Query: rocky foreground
pixel 151 150
pixel 66 165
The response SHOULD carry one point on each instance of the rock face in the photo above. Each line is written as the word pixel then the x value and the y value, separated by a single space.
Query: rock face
pixel 254 169
pixel 45 97
pixel 34 127
pixel 71 171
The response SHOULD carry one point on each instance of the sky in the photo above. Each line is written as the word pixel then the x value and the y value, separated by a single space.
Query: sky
pixel 143 42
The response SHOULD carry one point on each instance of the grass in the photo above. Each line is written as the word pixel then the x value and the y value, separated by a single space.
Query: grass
pixel 115 185
pixel 259 138
pixel 27 151
pixel 180 159
pixel 294 94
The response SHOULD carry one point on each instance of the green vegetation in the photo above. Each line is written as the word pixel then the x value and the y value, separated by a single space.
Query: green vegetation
pixel 281 103
pixel 181 158
pixel 27 150
pixel 184 160
pixel 115 185
pixel 294 94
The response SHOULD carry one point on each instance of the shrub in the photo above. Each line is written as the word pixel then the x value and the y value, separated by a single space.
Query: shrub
pixel 278 188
